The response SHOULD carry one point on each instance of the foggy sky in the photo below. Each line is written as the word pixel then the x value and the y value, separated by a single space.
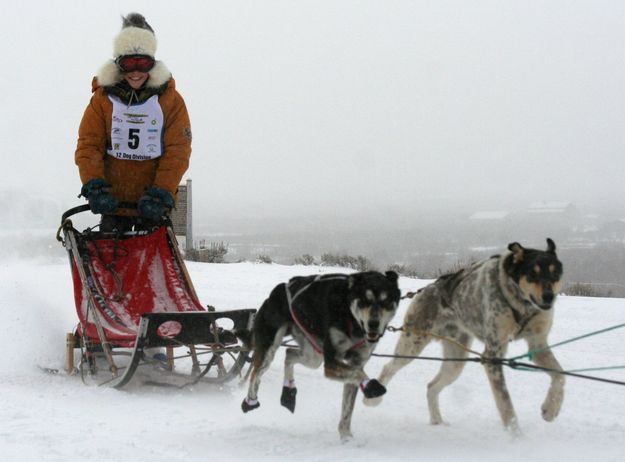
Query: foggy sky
pixel 341 108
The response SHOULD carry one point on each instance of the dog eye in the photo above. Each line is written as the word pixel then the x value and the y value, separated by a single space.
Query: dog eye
pixel 554 277
pixel 555 272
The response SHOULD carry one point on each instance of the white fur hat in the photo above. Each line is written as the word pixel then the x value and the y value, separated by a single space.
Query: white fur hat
pixel 136 37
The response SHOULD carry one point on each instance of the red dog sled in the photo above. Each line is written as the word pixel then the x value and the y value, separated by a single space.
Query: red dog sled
pixel 133 296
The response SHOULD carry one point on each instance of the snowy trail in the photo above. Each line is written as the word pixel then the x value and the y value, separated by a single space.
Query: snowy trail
pixel 47 417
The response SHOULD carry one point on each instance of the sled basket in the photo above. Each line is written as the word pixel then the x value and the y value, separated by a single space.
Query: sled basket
pixel 134 296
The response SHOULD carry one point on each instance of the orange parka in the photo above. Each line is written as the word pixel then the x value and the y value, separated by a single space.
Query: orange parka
pixel 130 178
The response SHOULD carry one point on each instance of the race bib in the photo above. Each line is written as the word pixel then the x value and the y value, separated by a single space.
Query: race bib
pixel 136 131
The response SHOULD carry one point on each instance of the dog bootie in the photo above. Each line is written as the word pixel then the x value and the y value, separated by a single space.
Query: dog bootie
pixel 372 388
pixel 287 399
pixel 249 405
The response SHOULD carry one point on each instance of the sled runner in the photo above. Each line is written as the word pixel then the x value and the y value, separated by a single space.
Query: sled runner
pixel 134 297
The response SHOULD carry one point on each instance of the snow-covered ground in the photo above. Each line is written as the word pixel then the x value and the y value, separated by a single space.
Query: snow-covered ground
pixel 56 417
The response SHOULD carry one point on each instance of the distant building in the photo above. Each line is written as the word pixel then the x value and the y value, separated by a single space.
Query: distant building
pixel 495 215
pixel 555 219
pixel 560 216
pixel 559 209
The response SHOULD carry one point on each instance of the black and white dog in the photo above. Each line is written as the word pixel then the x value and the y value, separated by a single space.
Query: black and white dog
pixel 337 320
pixel 497 300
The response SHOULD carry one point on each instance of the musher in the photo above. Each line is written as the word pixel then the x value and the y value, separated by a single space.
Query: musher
pixel 134 140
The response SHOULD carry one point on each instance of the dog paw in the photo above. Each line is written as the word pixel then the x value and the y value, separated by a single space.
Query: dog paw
pixel 551 407
pixel 249 405
pixel 512 427
pixel 372 401
pixel 287 399
pixel 436 420
pixel 549 412
pixel 372 388
pixel 346 436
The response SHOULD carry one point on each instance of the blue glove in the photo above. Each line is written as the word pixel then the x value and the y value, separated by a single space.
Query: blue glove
pixel 154 203
pixel 97 192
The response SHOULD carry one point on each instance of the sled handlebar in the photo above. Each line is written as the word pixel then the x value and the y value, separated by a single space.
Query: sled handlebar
pixel 85 207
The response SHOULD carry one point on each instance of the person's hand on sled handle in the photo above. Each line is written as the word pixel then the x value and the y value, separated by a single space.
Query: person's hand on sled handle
pixel 98 194
pixel 155 203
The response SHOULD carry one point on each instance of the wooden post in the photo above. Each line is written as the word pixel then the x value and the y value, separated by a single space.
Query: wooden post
pixel 69 348
pixel 170 357
pixel 195 370
pixel 189 235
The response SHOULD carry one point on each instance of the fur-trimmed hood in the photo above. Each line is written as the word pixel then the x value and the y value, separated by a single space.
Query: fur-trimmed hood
pixel 109 74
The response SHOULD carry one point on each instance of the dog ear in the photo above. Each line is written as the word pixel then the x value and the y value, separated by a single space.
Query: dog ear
pixel 392 276
pixel 551 246
pixel 351 282
pixel 517 251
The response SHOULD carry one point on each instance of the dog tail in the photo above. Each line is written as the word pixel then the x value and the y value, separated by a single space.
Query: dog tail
pixel 245 335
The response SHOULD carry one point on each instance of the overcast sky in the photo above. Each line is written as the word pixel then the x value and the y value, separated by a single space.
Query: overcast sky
pixel 336 107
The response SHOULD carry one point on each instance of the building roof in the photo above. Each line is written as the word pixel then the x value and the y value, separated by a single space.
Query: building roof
pixel 489 215
pixel 549 207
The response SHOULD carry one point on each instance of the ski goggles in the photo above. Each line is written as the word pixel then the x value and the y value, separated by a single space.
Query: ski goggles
pixel 130 63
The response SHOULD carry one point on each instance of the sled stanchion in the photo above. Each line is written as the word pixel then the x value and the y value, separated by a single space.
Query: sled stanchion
pixel 178 256
pixel 169 351
pixel 91 305
pixel 70 342
pixel 195 369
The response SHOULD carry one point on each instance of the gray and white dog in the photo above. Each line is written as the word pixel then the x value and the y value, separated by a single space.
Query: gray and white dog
pixel 496 300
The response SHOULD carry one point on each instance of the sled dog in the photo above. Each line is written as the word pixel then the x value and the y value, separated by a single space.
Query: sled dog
pixel 496 300
pixel 335 319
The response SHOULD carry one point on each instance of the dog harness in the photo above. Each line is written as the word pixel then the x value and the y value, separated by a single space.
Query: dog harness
pixel 521 320
pixel 312 339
